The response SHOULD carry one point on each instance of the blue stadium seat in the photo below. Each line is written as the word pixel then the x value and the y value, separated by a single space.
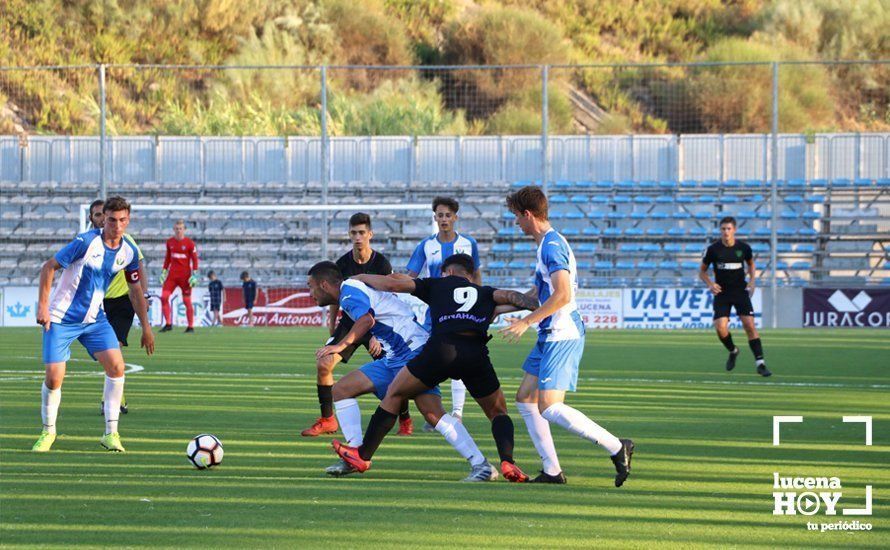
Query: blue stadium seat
pixel 781 264
pixel 585 184
pixel 496 264
pixel 639 216
pixel 729 199
pixel 517 264
pixel 557 214
pixel 571 232
pixel 796 183
pixel 673 247
pixel 784 232
pixel 689 264
pixel 621 199
pixel 508 216
pixel 578 199
pixel 520 184
pixel 603 184
pixel 788 215
pixel 704 215
pixel 685 199
pixel 710 184
pixel 763 231
pixel 754 183
pixel 742 232
pixel 626 184
pixel 616 216
pixel 882 182
pixel 583 266
pixel 499 248
pixel 819 182
pixel 612 232
pixel 802 265
pixel 807 232
pixel 667 184
pixel 633 232
pixel 658 216
pixel 707 199
pixel 815 199
pixel 629 247
pixel 646 264
pixel 643 199
pixel 650 247
pixel 756 197
pixel 624 264
pixel 732 184
pixel 677 232
pixel 647 184
pixel 688 184
pixel 793 199
pixel 599 199
pixel 564 184
pixel 759 248
pixel 746 215
pixel 575 215
pixel 602 265
pixel 524 248
pixel 810 215
pixel 587 248
pixel 669 264
pixel 558 199
pixel 664 199
pixel 596 215
pixel 681 215
pixel 591 232
pixel 862 182
pixel 764 215
pixel 698 231
pixel 841 182
pixel 804 247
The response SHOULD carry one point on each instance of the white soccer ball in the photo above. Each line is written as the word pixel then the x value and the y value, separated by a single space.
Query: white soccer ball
pixel 204 451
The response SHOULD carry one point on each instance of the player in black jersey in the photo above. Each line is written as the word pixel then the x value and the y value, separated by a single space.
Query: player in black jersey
pixel 461 313
pixel 730 258
pixel 361 259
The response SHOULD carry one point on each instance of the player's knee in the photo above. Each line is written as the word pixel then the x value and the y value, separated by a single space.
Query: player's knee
pixel 325 365
pixel 338 392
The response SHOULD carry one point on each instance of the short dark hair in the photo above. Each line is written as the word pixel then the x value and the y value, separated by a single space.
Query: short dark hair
pixel 448 202
pixel 95 203
pixel 326 271
pixel 116 204
pixel 728 219
pixel 211 273
pixel 530 198
pixel 360 218
pixel 464 261
pixel 245 275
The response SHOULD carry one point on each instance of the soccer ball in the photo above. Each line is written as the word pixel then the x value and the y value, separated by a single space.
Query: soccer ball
pixel 204 451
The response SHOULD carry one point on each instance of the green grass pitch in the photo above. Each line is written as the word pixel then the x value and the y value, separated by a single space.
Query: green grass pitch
pixel 702 475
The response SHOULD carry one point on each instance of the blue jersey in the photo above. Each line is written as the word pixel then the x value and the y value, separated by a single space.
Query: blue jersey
pixel 89 267
pixel 555 254
pixel 394 324
pixel 430 254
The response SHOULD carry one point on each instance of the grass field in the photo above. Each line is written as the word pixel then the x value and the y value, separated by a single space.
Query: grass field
pixel 702 476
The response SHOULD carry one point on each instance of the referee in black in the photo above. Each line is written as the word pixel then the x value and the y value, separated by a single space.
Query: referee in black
pixel 362 259
pixel 730 258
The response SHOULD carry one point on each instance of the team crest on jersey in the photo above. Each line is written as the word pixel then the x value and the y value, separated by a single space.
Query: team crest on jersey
pixel 738 253
pixel 119 261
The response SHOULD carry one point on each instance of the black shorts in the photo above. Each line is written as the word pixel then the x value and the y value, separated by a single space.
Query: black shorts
pixel 738 299
pixel 248 305
pixel 343 328
pixel 120 314
pixel 457 357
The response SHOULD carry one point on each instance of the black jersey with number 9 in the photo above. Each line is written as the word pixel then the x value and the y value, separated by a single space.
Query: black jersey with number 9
pixel 456 304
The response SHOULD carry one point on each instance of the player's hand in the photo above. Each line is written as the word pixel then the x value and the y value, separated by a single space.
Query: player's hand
pixel 715 289
pixel 374 347
pixel 193 280
pixel 514 331
pixel 750 288
pixel 330 350
pixel 43 318
pixel 148 341
pixel 163 276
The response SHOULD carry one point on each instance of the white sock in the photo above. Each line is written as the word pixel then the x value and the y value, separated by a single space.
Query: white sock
pixel 349 415
pixel 457 435
pixel 539 431
pixel 577 422
pixel 114 392
pixel 458 397
pixel 49 410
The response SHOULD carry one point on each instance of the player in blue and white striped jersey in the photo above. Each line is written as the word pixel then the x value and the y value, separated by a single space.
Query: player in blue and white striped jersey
pixel 392 322
pixel 551 368
pixel 426 261
pixel 74 311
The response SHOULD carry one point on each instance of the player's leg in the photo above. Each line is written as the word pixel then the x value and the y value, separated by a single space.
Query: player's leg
pixel 755 344
pixel 120 314
pixel 458 398
pixel 166 292
pixel 324 375
pixel 558 374
pixel 538 428
pixel 722 309
pixel 187 302
pixel 101 343
pixel 56 352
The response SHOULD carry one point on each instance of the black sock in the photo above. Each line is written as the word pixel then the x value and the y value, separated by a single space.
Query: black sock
pixel 727 342
pixel 757 348
pixel 404 414
pixel 326 400
pixel 380 424
pixel 502 430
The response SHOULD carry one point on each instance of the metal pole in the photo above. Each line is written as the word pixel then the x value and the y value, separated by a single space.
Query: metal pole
pixel 545 141
pixel 774 200
pixel 325 160
pixel 103 188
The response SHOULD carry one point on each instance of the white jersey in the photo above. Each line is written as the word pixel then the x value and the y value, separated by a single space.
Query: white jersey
pixel 555 254
pixel 89 267
pixel 431 253
pixel 394 323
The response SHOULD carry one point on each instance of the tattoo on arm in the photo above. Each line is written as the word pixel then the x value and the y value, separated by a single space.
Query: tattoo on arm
pixel 520 300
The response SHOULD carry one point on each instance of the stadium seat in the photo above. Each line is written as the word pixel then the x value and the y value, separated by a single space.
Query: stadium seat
pixel 707 199
pixel 650 247
pixel 673 247
pixel 586 248
pixel 746 215
pixel 596 215
pixel 612 232
pixel 685 199
pixel 677 232
pixel 667 184
pixel 621 199
pixel 664 199
pixel 689 264
pixel 647 184
pixel 882 182
pixel 558 199
pixel 841 182
pixel 788 215
pixel 571 232
pixel 501 248
pixel 642 199
pixel 605 185
pixel 626 184
pixel 815 199
pixel 759 248
pixel 602 265
pixel 646 264
pixel 710 184
pixel 524 248
pixel 575 215
pixel 496 264
pixel 658 216
pixel 807 232
pixel 629 247
pixel 681 215
pixel 704 215
pixel 796 183
pixel 584 184
pixel 616 216
pixel 599 199
pixel 578 199
pixel 754 183
pixel 688 184
pixel 583 266
pixel 517 264
pixel 624 264
pixel 591 232
pixel 801 265
pixel 804 247
pixel 639 216
pixel 669 264
pixel 698 231
pixel 557 214
pixel 810 215
pixel 729 199
pixel 795 199
pixel 862 182
pixel 520 184
pixel 564 184
pixel 732 184
pixel 819 182
pixel 784 232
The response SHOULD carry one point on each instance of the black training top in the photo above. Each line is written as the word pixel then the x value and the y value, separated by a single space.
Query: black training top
pixel 249 288
pixel 215 287
pixel 729 263
pixel 377 265
pixel 456 304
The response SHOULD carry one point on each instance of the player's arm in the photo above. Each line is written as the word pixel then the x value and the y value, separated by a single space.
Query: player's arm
pixel 477 276
pixel 167 260
pixel 47 274
pixel 140 306
pixel 143 280
pixel 562 295
pixel 362 325
pixel 193 262
pixel 703 275
pixel 510 300
pixel 333 311
pixel 388 283
pixel 752 275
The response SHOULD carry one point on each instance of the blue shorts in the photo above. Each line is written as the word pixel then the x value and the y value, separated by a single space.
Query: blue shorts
pixel 95 337
pixel 383 371
pixel 555 363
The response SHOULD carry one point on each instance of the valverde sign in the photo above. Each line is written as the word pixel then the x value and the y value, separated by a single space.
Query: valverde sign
pixel 834 307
